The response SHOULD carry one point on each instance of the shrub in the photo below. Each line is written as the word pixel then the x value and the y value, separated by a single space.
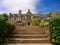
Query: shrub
pixel 5 29
pixel 55 30
pixel 36 22
pixel 48 15
pixel 5 16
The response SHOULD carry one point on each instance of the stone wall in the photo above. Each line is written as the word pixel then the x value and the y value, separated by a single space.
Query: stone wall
pixel 44 29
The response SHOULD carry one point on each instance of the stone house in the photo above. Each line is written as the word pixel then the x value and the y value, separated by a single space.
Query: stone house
pixel 27 18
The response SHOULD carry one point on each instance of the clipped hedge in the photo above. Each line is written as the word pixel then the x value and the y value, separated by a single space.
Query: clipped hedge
pixel 55 30
pixel 5 29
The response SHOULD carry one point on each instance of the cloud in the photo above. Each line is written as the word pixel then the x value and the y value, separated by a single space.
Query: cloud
pixel 14 5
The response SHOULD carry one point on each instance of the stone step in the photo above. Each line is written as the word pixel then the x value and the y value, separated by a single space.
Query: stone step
pixel 23 29
pixel 31 40
pixel 29 32
pixel 27 36
pixel 28 44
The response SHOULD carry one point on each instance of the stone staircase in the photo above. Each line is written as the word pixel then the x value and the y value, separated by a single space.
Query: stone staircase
pixel 28 36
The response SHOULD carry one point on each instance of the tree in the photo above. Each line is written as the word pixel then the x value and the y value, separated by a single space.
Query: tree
pixel 55 30
pixel 5 16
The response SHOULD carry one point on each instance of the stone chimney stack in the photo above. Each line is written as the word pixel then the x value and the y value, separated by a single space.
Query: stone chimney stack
pixel 19 13
pixel 28 10
pixel 10 15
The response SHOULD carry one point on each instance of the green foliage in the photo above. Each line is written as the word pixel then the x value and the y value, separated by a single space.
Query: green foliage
pixel 55 30
pixel 5 29
pixel 35 22
pixel 49 15
pixel 22 24
pixel 5 16
pixel 42 22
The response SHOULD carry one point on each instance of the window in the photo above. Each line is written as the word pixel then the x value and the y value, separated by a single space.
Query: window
pixel 28 17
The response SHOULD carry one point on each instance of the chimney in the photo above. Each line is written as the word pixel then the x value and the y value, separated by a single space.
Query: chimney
pixel 19 13
pixel 10 15
pixel 28 10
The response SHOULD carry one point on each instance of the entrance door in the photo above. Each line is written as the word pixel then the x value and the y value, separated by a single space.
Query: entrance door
pixel 28 23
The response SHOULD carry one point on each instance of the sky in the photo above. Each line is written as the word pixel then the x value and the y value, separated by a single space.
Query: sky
pixel 36 6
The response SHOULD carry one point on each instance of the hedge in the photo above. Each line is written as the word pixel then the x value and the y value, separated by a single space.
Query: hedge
pixel 5 29
pixel 55 30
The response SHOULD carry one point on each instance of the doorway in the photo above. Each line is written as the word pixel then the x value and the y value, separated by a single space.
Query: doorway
pixel 28 23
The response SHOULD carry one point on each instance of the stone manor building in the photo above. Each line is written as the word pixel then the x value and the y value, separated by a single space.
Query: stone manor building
pixel 27 18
